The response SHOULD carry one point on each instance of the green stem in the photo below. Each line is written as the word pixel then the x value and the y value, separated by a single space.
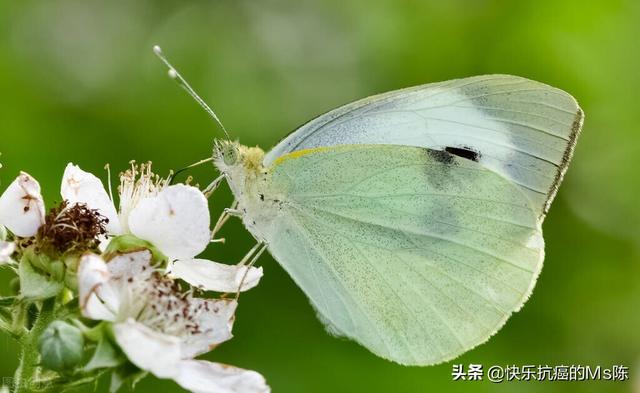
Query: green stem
pixel 26 372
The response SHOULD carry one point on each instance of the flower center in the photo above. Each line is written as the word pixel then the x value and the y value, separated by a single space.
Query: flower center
pixel 72 228
pixel 158 303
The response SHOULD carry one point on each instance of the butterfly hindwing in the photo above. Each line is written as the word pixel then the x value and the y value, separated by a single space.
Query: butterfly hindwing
pixel 417 254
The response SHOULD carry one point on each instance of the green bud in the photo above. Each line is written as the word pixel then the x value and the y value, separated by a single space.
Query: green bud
pixel 129 243
pixel 61 346
pixel 3 233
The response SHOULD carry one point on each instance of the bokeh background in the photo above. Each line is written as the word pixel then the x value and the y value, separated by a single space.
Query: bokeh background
pixel 78 82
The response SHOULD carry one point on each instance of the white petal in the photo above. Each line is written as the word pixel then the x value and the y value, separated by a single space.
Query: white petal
pixel 199 376
pixel 133 264
pixel 6 249
pixel 96 309
pixel 22 207
pixel 176 221
pixel 97 300
pixel 214 276
pixel 215 322
pixel 148 349
pixel 79 186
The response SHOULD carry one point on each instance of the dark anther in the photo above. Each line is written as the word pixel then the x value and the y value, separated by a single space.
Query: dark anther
pixel 72 228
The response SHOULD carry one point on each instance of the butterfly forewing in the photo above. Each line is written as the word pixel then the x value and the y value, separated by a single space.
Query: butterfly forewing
pixel 521 129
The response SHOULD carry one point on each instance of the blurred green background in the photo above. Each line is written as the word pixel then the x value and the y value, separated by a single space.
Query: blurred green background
pixel 78 82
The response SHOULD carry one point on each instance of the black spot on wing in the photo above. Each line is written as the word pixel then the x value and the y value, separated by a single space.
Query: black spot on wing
pixel 441 156
pixel 463 152
pixel 438 175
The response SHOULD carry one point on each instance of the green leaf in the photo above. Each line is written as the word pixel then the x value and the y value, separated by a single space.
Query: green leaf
pixel 61 346
pixel 7 307
pixel 94 333
pixel 34 284
pixel 105 356
pixel 126 373
pixel 7 301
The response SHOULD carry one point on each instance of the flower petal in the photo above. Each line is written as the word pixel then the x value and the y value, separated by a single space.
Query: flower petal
pixel 148 349
pixel 22 207
pixel 176 221
pixel 133 264
pixel 97 300
pixel 199 376
pixel 214 276
pixel 6 249
pixel 214 321
pixel 79 186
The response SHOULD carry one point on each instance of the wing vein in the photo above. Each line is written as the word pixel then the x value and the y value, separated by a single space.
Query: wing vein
pixel 426 234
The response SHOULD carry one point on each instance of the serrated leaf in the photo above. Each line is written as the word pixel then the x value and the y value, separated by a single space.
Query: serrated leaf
pixel 35 285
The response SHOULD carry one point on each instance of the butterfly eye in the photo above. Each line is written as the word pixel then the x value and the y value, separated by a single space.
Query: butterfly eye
pixel 229 154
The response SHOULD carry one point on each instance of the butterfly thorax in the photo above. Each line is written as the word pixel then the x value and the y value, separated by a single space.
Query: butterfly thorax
pixel 249 182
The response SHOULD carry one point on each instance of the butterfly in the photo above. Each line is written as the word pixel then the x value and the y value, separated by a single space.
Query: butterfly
pixel 412 219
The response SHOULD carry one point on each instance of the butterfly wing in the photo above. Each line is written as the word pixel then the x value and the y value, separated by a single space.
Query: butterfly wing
pixel 416 254
pixel 521 129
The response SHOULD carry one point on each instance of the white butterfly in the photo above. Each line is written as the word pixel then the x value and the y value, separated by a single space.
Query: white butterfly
pixel 412 219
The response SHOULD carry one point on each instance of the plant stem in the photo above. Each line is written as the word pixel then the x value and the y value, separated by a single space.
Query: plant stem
pixel 26 372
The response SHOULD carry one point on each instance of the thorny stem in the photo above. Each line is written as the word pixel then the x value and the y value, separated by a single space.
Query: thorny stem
pixel 26 371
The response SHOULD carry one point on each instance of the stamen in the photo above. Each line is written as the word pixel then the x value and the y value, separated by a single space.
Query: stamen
pixel 71 228
pixel 159 303
pixel 108 168
pixel 137 183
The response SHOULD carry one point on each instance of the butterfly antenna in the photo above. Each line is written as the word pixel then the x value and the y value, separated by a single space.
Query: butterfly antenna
pixel 175 75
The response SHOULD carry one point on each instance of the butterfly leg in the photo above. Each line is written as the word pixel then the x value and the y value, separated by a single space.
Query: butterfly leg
pixel 252 256
pixel 213 186
pixel 233 212
pixel 251 253
pixel 224 217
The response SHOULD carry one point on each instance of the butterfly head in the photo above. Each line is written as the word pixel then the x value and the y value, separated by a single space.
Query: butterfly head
pixel 230 156
pixel 226 152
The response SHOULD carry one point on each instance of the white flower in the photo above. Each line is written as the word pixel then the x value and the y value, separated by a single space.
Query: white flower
pixel 22 207
pixel 6 249
pixel 174 218
pixel 159 328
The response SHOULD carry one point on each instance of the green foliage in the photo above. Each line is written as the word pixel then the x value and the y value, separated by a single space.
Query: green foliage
pixel 40 278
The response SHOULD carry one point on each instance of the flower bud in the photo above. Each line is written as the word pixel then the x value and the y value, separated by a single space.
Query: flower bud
pixel 128 243
pixel 61 346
